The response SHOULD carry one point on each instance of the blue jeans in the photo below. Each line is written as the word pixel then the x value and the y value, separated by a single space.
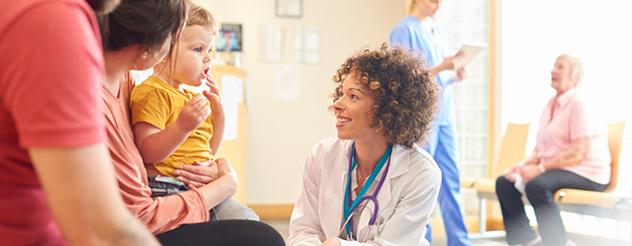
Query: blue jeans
pixel 229 209
pixel 539 192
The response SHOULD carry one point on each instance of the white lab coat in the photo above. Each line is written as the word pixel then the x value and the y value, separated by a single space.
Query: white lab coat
pixel 406 200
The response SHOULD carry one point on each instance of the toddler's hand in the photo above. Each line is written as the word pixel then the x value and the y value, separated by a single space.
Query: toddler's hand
pixel 193 113
pixel 214 96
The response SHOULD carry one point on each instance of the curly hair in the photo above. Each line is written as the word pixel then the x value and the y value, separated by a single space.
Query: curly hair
pixel 404 92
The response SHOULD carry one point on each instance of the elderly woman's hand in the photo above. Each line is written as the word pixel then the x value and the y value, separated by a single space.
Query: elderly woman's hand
pixel 197 174
pixel 529 172
pixel 513 170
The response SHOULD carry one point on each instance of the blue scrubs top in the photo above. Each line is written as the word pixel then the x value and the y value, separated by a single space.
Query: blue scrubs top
pixel 411 33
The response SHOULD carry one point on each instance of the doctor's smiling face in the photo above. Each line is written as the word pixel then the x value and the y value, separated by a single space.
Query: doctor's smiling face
pixel 353 110
pixel 384 94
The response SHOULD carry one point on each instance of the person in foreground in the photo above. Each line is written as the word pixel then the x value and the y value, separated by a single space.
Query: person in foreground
pixel 571 152
pixel 58 185
pixel 138 35
pixel 372 185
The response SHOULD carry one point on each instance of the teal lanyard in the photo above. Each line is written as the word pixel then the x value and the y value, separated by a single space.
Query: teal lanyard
pixel 353 164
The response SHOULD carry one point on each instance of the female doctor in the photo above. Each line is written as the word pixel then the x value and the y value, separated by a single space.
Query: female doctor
pixel 372 185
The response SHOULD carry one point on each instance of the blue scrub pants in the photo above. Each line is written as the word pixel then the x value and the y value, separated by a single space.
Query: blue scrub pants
pixel 442 146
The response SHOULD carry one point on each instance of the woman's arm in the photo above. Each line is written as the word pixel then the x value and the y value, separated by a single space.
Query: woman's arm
pixel 567 158
pixel 401 36
pixel 166 213
pixel 222 188
pixel 83 197
pixel 572 156
pixel 530 161
pixel 197 174
pixel 449 63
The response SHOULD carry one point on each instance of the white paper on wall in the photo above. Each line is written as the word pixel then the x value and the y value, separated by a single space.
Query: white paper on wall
pixel 306 45
pixel 271 43
pixel 232 96
pixel 233 87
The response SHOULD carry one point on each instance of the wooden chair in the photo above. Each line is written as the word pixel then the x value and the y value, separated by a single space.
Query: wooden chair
pixel 510 151
pixel 607 203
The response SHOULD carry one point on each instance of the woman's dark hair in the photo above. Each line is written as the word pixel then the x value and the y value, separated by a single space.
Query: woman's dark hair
pixel 143 22
pixel 103 6
pixel 404 92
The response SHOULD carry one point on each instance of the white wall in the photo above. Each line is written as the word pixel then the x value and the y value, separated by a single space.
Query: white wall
pixel 535 32
pixel 598 32
pixel 281 132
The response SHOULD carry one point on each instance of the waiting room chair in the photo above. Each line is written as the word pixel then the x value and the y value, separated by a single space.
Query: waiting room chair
pixel 511 151
pixel 610 203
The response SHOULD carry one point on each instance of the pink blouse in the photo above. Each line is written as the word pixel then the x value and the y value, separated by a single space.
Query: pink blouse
pixel 571 120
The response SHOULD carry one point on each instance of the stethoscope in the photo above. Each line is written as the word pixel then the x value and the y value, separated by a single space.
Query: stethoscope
pixel 352 206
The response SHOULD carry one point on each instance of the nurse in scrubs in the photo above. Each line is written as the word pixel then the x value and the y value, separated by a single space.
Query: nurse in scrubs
pixel 372 184
pixel 417 32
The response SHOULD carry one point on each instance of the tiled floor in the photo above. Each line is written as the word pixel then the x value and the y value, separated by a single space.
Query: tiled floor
pixel 581 240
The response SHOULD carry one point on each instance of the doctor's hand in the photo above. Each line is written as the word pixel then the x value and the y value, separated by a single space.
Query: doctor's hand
pixel 331 242
pixel 197 174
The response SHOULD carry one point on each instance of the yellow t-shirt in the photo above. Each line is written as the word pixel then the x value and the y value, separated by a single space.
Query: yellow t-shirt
pixel 157 103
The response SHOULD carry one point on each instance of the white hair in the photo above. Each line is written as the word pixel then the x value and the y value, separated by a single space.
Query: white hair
pixel 576 67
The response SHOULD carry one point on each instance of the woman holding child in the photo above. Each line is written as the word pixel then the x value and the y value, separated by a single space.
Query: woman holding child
pixel 138 35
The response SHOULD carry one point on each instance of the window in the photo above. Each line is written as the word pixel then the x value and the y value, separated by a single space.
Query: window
pixel 533 34
pixel 466 21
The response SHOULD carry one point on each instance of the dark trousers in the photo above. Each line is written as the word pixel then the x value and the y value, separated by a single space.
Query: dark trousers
pixel 223 232
pixel 539 192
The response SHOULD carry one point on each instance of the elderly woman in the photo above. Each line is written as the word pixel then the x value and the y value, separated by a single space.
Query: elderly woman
pixel 571 152
pixel 372 185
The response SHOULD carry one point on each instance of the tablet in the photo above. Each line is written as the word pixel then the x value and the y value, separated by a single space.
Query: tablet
pixel 470 51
